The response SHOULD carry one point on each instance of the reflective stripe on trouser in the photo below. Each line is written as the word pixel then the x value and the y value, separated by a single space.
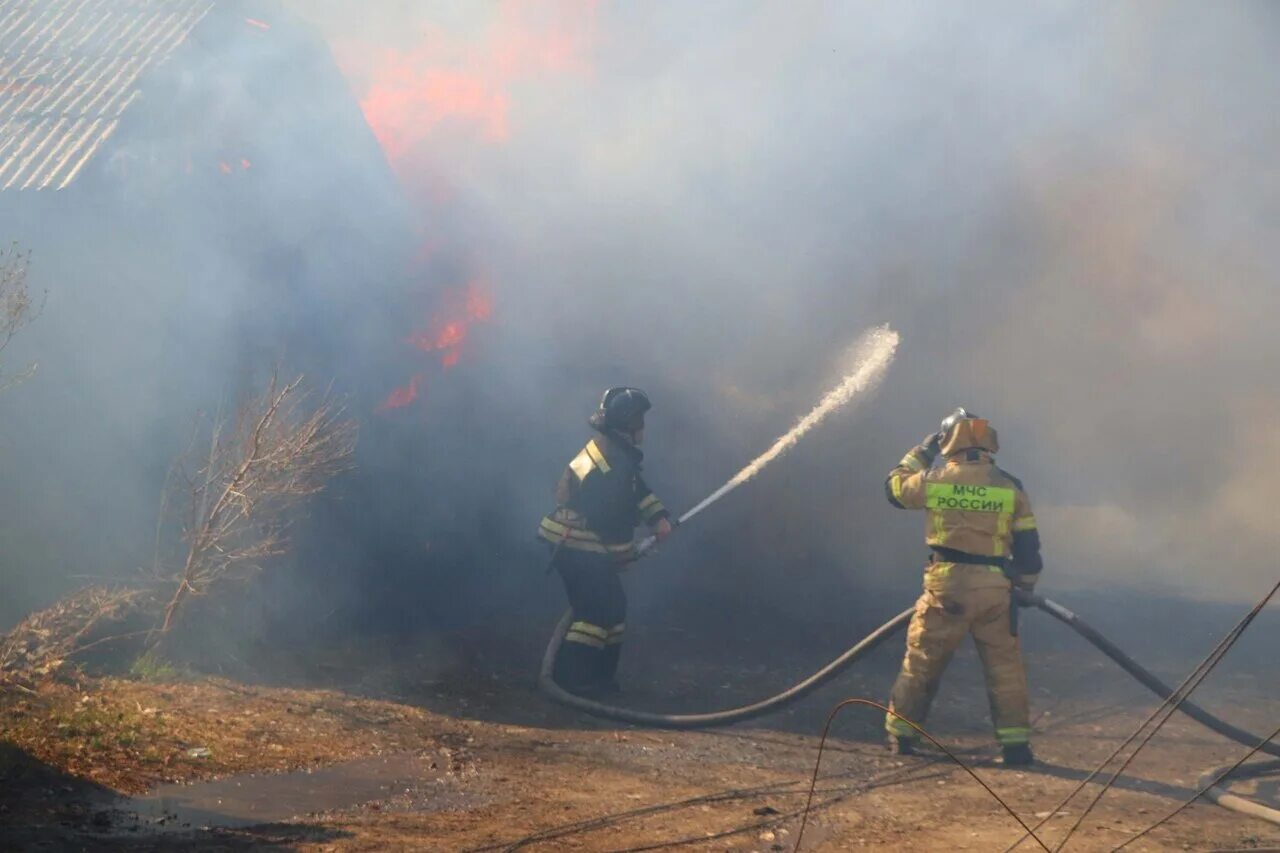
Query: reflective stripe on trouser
pixel 941 621
pixel 587 634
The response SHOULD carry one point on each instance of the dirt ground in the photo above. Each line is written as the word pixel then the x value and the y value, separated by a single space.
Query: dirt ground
pixel 472 758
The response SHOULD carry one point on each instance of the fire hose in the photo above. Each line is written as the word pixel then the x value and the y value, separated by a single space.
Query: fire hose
pixel 876 638
pixel 1210 782
pixel 875 353
pixel 854 654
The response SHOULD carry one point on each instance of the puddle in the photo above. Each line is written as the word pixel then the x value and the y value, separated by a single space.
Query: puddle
pixel 401 782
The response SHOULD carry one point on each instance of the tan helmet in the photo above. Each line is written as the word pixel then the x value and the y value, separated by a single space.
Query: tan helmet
pixel 964 430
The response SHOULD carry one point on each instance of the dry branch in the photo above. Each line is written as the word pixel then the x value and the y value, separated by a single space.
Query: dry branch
pixel 17 308
pixel 243 493
pixel 283 447
pixel 45 641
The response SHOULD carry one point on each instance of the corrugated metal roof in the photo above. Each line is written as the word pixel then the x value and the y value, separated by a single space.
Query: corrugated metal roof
pixel 68 71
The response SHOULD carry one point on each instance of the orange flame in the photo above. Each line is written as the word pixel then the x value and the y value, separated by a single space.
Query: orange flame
pixel 479 303
pixel 254 22
pixel 401 397
pixel 408 96
pixel 447 332
pixel 410 101
pixel 447 89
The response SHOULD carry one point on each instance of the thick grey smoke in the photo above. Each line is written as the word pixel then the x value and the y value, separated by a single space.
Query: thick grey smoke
pixel 1064 208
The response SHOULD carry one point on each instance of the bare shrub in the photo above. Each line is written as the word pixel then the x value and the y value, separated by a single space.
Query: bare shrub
pixel 242 493
pixel 17 308
pixel 283 447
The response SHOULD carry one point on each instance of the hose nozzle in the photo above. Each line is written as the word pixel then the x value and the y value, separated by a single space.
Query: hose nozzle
pixel 645 546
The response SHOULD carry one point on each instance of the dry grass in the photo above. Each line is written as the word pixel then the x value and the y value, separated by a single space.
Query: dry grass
pixel 131 735
pixel 46 642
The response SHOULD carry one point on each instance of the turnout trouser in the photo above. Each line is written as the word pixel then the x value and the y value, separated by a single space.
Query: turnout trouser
pixel 591 648
pixel 960 600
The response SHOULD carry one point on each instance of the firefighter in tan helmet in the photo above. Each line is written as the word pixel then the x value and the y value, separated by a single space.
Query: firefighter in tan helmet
pixel 983 536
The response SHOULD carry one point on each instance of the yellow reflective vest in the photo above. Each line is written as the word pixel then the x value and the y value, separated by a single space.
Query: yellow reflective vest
pixel 973 509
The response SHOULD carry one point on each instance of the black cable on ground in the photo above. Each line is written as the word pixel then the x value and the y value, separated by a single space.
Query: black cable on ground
pixel 1144 676
pixel 882 780
pixel 877 637
pixel 693 721
pixel 1166 708
pixel 868 703
pixel 777 789
pixel 1204 788
pixel 717 718
pixel 590 824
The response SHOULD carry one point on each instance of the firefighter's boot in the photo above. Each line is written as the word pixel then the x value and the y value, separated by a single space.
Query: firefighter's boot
pixel 899 745
pixel 607 676
pixel 577 666
pixel 1018 755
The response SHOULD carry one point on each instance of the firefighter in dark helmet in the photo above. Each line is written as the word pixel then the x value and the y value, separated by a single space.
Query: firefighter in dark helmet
pixel 985 545
pixel 601 498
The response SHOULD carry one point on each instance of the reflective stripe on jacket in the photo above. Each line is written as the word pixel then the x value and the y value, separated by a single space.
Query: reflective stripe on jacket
pixel 972 506
pixel 601 498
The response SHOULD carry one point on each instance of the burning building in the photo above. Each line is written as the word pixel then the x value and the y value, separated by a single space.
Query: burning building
pixel 203 201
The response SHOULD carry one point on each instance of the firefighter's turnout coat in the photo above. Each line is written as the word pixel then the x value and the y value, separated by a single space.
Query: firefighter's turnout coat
pixel 983 537
pixel 601 498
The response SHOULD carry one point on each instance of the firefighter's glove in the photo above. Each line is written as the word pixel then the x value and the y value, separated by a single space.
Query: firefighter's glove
pixel 663 528
pixel 1022 596
pixel 643 548
pixel 931 445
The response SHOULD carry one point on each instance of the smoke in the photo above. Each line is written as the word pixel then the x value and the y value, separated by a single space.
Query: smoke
pixel 873 353
pixel 1064 209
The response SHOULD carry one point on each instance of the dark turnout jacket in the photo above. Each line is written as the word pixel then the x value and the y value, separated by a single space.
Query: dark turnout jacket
pixel 601 498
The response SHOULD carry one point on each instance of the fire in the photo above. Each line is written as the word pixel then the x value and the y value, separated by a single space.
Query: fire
pixel 409 96
pixel 254 22
pixel 444 90
pixel 447 331
pixel 411 101
pixel 479 303
pixel 401 397
pixel 227 168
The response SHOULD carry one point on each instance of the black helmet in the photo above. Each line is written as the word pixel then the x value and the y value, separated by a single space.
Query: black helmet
pixel 621 408
pixel 960 414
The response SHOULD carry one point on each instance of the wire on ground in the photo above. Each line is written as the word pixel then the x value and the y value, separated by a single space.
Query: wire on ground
pixel 778 789
pixel 869 703
pixel 860 650
pixel 1172 702
pixel 1200 793
pixel 1211 781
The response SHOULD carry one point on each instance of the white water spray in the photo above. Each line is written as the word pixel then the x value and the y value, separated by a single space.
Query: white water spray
pixel 872 355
